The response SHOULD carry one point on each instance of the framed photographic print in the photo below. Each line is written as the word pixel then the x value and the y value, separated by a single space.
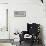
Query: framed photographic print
pixel 20 13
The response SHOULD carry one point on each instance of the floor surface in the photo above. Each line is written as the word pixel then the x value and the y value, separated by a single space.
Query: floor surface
pixel 27 44
pixel 5 44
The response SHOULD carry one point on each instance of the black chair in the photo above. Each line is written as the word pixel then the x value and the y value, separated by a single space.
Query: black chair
pixel 32 29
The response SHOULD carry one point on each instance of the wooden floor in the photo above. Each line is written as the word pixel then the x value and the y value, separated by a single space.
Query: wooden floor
pixel 27 44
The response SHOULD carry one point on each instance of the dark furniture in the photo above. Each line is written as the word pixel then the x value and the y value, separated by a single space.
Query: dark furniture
pixel 33 30
pixel 42 1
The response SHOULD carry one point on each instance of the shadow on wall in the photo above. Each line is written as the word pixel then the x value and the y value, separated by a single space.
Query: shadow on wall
pixel 41 34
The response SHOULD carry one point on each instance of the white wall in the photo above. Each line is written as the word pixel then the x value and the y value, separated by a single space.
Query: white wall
pixel 35 12
pixel 3 1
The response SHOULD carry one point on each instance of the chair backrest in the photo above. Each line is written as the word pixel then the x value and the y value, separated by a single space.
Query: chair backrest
pixel 33 28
